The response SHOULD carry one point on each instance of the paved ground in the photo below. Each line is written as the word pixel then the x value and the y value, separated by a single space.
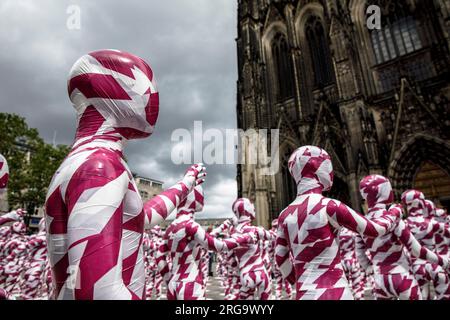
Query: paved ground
pixel 214 291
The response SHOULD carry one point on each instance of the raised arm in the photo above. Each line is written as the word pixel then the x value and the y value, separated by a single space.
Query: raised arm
pixel 344 216
pixel 226 225
pixel 159 207
pixel 10 217
pixel 211 243
pixel 282 255
pixel 415 248
pixel 94 233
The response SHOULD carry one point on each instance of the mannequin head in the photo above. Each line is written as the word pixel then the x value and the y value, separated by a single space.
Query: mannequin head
pixel 18 227
pixel 114 93
pixel 312 169
pixel 376 189
pixel 244 210
pixel 440 214
pixel 414 201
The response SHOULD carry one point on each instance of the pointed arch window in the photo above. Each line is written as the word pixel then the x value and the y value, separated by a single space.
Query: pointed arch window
pixel 319 51
pixel 283 67
pixel 398 36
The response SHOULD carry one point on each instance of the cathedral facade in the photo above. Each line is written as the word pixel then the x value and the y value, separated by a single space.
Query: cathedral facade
pixel 377 99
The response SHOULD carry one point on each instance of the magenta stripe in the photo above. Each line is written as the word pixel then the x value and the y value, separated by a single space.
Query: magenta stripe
pixel 94 85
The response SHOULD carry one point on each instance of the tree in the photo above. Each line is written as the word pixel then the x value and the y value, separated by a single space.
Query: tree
pixel 32 162
pixel 43 164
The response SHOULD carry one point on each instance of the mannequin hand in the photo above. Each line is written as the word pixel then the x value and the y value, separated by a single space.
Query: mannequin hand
pixel 15 214
pixel 194 176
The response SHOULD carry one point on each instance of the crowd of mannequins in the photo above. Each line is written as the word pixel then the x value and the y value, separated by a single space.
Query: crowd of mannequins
pixel 24 268
pixel 98 240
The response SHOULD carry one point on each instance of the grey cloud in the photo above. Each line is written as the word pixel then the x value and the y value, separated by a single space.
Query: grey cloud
pixel 189 44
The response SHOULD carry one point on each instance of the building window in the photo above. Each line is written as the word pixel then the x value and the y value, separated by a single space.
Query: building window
pixel 395 39
pixel 283 68
pixel 394 44
pixel 144 194
pixel 319 52
pixel 144 182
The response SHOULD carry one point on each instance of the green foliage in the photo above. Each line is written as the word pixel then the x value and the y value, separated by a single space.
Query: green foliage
pixel 32 162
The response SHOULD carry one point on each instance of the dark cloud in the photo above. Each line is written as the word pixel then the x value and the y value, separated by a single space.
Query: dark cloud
pixel 189 44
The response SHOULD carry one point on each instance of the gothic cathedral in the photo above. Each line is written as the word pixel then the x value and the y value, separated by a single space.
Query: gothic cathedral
pixel 377 99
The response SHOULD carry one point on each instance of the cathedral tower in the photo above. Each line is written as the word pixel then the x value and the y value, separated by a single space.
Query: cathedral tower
pixel 376 100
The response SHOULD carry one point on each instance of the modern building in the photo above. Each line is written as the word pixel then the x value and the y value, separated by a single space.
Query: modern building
pixel 148 188
pixel 376 99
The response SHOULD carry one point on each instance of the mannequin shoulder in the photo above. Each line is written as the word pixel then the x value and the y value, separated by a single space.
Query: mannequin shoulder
pixel 103 163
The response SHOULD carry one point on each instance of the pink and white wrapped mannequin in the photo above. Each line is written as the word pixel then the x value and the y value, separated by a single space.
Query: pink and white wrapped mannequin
pixel 232 281
pixel 439 276
pixel 441 215
pixel 5 231
pixel 33 279
pixel 425 229
pixel 265 254
pixel 442 244
pixel 392 269
pixel 4 174
pixel 5 236
pixel 227 263
pixel 308 230
pixel 184 240
pixel 149 265
pixel 94 214
pixel 280 283
pixel 226 226
pixel 15 258
pixel 4 295
pixel 204 265
pixel 255 283
pixel 152 242
pixel 352 268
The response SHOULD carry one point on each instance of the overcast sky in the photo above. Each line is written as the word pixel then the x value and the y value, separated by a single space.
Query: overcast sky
pixel 189 44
